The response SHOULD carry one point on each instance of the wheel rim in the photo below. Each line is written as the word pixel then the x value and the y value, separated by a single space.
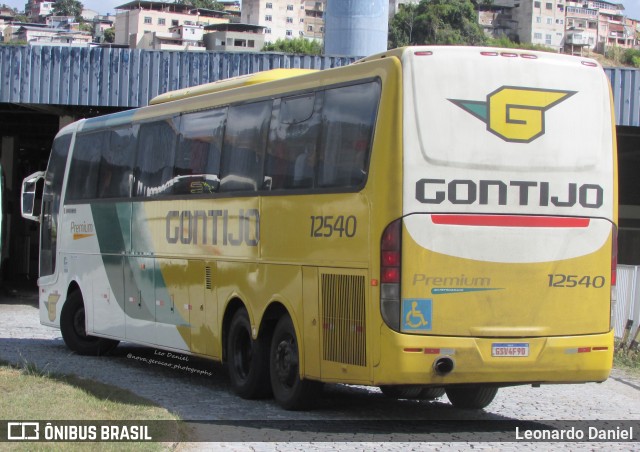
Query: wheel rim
pixel 242 354
pixel 286 362
pixel 78 323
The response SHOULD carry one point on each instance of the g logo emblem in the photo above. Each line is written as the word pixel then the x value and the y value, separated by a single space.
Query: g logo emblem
pixel 515 114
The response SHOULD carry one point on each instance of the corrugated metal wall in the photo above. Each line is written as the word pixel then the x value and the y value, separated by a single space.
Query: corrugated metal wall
pixel 125 77
pixel 130 78
pixel 628 300
pixel 625 83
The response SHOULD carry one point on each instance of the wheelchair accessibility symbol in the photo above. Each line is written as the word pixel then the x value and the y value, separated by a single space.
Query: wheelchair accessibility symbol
pixel 416 314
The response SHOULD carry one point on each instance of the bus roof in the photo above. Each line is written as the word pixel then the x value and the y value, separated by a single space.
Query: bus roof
pixel 235 82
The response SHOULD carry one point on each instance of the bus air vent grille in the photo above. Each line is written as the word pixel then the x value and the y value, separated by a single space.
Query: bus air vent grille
pixel 343 319
pixel 207 277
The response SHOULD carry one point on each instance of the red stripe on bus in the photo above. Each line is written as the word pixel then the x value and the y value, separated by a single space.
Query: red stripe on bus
pixel 519 221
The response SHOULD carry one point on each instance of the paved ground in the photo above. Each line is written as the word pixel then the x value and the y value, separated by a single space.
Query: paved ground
pixel 357 417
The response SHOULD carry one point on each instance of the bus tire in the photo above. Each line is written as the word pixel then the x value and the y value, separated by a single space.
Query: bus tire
pixel 247 359
pixel 472 397
pixel 401 391
pixel 290 391
pixel 429 393
pixel 74 332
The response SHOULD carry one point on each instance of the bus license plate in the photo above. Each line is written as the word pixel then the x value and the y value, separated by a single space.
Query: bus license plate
pixel 510 350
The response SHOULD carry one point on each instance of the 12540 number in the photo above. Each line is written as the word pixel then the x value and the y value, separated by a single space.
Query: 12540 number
pixel 561 280
pixel 330 226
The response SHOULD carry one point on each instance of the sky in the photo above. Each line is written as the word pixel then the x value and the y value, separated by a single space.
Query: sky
pixel 632 7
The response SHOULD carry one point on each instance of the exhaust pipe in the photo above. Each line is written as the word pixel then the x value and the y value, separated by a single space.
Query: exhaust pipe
pixel 443 365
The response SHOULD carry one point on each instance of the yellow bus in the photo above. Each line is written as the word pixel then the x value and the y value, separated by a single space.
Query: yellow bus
pixel 427 220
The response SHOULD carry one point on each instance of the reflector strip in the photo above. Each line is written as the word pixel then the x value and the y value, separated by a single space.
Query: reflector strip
pixel 599 349
pixel 518 221
pixel 413 350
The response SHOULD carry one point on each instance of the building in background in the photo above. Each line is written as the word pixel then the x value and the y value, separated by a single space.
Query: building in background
pixel 496 19
pixel 281 19
pixel 357 27
pixel 540 22
pixel 162 25
pixel 37 10
pixel 233 37
pixel 395 5
pixel 314 20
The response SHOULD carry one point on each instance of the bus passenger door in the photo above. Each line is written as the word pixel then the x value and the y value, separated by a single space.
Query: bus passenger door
pixel 139 300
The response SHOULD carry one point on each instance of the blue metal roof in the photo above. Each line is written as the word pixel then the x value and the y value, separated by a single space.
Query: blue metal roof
pixel 118 77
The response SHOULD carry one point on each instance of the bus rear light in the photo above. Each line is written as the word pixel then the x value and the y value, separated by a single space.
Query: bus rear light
pixel 509 55
pixel 589 63
pixel 390 274
pixel 391 258
pixel 424 53
pixel 489 53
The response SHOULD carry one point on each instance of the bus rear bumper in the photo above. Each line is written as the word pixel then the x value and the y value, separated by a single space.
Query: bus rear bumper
pixel 410 359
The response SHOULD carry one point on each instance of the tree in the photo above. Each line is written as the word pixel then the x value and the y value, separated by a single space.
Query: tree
pixel 402 26
pixel 110 35
pixel 448 22
pixel 297 45
pixel 71 8
pixel 203 4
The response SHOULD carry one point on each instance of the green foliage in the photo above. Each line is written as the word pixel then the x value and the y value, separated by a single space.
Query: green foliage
pixel 110 35
pixel 297 45
pixel 614 53
pixel 631 57
pixel 203 4
pixel 443 22
pixel 71 8
pixel 13 43
pixel 506 43
pixel 626 358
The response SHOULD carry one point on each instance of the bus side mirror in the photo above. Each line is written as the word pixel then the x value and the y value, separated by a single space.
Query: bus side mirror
pixel 29 195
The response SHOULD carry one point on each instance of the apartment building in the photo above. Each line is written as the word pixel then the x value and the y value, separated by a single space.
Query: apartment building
pixel 286 19
pixel 37 10
pixel 234 37
pixel 541 22
pixel 163 25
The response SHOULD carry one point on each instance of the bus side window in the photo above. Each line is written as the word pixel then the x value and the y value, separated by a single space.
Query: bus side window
pixel 244 145
pixel 291 156
pixel 349 115
pixel 155 157
pixel 85 162
pixel 114 179
pixel 197 165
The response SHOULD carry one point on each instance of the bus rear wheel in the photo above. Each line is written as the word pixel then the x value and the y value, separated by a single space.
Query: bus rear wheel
pixel 74 331
pixel 290 391
pixel 473 397
pixel 247 363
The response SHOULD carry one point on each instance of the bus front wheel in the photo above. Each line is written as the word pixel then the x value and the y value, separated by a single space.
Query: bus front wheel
pixel 74 331
pixel 247 363
pixel 290 391
pixel 474 397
